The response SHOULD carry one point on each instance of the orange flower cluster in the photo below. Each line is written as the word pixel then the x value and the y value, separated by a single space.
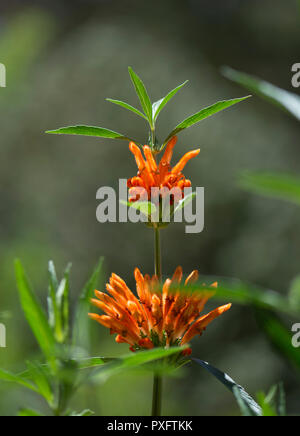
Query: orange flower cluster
pixel 152 175
pixel 157 317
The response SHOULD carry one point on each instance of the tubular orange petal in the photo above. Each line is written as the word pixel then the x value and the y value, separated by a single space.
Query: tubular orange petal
pixel 192 278
pixel 105 320
pixel 177 276
pixel 138 156
pixel 184 160
pixel 121 340
pixel 107 309
pixel 167 157
pixel 150 158
pixel 199 326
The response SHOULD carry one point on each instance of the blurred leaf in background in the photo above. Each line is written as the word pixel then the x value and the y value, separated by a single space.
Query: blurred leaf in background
pixel 280 337
pixel 82 326
pixel 273 403
pixel 282 186
pixel 287 101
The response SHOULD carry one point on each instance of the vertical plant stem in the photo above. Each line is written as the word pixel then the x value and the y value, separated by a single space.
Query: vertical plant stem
pixel 153 137
pixel 157 395
pixel 157 382
pixel 157 254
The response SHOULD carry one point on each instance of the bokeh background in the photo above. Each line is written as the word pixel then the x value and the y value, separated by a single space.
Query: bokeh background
pixel 63 59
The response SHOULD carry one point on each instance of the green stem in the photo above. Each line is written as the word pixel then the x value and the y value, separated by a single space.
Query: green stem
pixel 157 382
pixel 157 253
pixel 157 394
pixel 153 137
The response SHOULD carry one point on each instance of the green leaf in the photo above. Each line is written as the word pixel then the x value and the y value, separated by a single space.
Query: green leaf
pixel 52 275
pixel 246 402
pixel 294 294
pixel 29 412
pixel 185 201
pixel 279 336
pixel 245 411
pixel 85 412
pixel 63 300
pixel 82 325
pixel 268 402
pixel 53 311
pixel 267 409
pixel 282 186
pixel 89 131
pixel 58 303
pixel 203 114
pixel 9 377
pixel 145 207
pixel 159 105
pixel 142 94
pixel 134 360
pixel 285 100
pixel 94 362
pixel 281 401
pixel 128 107
pixel 62 304
pixel 35 316
pixel 39 374
pixel 271 396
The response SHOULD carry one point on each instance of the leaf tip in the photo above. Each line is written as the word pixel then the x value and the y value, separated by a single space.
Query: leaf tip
pixel 51 132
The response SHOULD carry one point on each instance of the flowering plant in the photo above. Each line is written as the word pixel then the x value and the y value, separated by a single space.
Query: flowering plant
pixel 160 320
pixel 163 315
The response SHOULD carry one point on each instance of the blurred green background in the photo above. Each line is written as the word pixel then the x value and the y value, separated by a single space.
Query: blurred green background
pixel 63 59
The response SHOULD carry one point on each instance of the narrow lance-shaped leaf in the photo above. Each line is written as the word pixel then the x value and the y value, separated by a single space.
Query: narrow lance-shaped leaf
pixel 66 301
pixel 85 412
pixel 185 201
pixel 203 114
pixel 280 336
pixel 131 361
pixel 62 302
pixel 245 399
pixel 9 377
pixel 35 316
pixel 93 362
pixel 58 303
pixel 158 106
pixel 142 94
pixel 285 100
pixel 53 311
pixel 145 207
pixel 38 373
pixel 99 132
pixel 282 186
pixel 271 396
pixel 128 107
pixel 29 412
pixel 82 325
pixel 266 406
pixel 244 408
pixel 281 400
pixel 294 294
